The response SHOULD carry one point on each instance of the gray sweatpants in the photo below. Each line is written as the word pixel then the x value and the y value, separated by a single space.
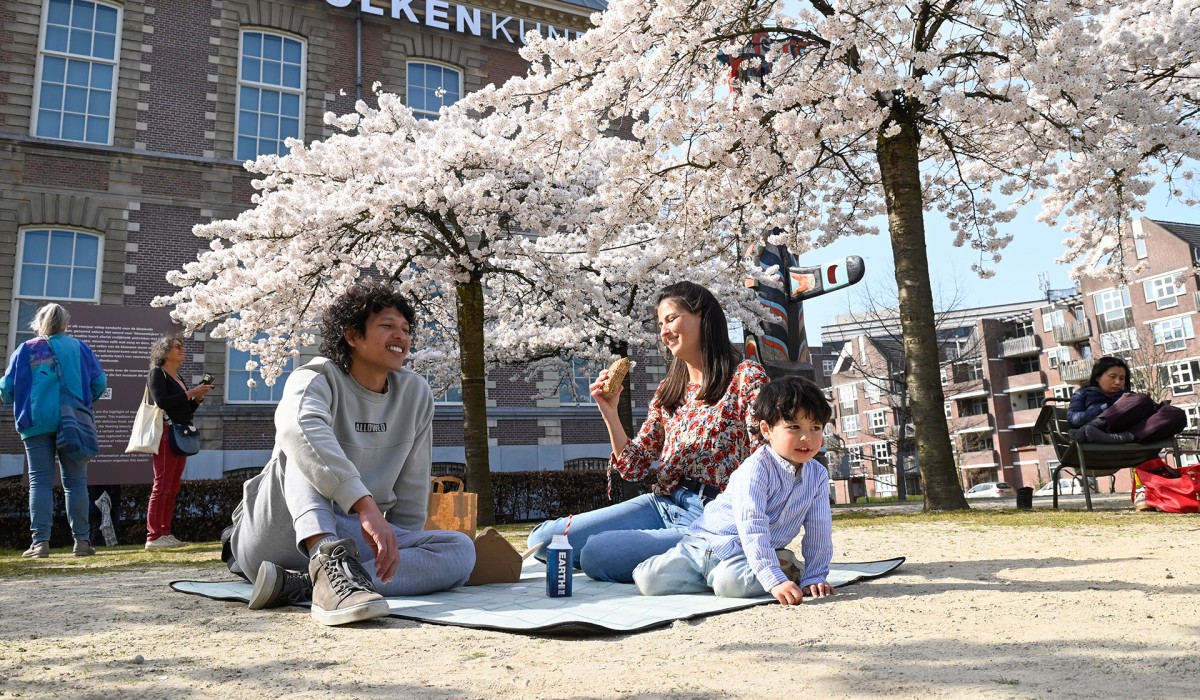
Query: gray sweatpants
pixel 430 560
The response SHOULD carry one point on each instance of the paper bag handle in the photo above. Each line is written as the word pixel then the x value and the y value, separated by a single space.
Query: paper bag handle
pixel 444 480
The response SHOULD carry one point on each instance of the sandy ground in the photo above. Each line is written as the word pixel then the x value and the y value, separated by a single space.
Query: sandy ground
pixel 996 612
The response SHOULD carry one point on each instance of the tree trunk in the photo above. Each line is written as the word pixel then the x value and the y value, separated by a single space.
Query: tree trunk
pixel 474 396
pixel 899 166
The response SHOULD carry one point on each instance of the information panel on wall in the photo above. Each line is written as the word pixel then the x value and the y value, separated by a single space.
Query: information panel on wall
pixel 121 337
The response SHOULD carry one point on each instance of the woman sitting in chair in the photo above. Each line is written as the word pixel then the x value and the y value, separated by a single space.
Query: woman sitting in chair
pixel 1104 410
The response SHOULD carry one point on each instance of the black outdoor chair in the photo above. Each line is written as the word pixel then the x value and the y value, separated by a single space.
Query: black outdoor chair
pixel 1090 459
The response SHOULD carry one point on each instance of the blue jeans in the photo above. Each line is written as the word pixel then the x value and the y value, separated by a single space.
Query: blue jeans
pixel 40 451
pixel 691 567
pixel 609 542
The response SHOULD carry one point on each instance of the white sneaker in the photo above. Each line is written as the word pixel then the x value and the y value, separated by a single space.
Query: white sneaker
pixel 164 542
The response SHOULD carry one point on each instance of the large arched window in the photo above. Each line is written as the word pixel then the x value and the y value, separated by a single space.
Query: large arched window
pixel 77 71
pixel 53 265
pixel 270 94
pixel 432 86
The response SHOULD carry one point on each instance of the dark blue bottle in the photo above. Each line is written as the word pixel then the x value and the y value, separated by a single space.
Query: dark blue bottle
pixel 560 567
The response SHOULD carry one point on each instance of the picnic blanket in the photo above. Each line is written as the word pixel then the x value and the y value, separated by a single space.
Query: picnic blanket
pixel 523 607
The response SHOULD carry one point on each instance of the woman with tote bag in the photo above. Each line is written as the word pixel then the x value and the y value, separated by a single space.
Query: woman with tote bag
pixel 169 392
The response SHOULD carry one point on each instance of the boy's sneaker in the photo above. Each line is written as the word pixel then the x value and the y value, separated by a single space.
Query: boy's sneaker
pixel 787 563
pixel 37 550
pixel 164 542
pixel 342 590
pixel 276 586
pixel 83 548
pixel 1139 500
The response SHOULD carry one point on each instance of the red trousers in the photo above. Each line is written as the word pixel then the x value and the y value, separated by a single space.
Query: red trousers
pixel 168 471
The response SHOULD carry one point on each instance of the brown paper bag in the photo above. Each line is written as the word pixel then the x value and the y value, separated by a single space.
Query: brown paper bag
pixel 496 560
pixel 452 510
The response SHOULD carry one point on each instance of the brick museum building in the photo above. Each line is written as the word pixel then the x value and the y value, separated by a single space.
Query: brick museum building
pixel 124 124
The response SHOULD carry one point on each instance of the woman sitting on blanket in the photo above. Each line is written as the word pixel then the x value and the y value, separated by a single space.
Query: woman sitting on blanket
pixel 1104 410
pixel 698 426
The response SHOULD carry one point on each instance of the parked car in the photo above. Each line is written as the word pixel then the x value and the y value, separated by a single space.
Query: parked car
pixel 1066 487
pixel 991 489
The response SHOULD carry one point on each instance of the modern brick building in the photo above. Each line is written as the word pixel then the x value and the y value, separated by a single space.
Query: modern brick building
pixel 1001 363
pixel 124 124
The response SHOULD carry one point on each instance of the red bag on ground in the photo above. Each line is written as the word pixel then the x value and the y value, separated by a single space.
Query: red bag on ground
pixel 1170 490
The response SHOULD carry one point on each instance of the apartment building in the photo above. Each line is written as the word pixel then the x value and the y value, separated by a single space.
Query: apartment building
pixel 124 124
pixel 1000 364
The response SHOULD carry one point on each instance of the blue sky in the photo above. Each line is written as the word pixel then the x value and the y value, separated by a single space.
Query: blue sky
pixel 1033 250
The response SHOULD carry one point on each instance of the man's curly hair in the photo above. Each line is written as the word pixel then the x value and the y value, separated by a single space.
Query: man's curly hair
pixel 351 310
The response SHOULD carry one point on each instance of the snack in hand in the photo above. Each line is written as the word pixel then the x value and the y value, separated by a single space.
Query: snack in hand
pixel 616 375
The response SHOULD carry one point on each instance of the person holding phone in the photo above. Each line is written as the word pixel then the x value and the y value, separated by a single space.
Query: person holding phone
pixel 169 392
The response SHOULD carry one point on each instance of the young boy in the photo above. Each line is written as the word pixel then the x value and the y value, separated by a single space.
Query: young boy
pixel 780 488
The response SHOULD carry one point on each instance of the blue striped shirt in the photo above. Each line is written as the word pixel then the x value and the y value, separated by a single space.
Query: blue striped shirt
pixel 766 503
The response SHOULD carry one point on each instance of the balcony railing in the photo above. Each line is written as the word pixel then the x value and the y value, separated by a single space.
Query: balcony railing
pixel 1075 371
pixel 1029 381
pixel 1018 347
pixel 967 389
pixel 981 423
pixel 1025 418
pixel 978 459
pixel 1073 332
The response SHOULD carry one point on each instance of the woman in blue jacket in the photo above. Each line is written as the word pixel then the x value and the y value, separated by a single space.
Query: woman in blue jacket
pixel 1109 381
pixel 31 383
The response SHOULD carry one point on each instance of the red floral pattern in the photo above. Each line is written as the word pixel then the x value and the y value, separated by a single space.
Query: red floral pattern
pixel 698 441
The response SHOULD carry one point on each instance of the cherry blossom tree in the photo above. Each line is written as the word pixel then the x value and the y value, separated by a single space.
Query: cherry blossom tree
pixel 509 254
pixel 447 210
pixel 812 117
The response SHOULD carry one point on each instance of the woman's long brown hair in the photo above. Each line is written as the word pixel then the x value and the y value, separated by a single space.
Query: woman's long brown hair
pixel 719 357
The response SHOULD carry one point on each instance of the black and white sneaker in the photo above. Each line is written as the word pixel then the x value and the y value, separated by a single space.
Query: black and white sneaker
pixel 276 586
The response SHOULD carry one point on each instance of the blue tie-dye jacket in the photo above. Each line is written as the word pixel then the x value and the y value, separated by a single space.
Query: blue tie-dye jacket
pixel 31 382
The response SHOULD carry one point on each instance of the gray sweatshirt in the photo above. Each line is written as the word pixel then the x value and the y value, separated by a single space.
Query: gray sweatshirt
pixel 349 442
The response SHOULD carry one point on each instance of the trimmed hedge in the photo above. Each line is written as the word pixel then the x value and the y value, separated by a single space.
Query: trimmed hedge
pixel 205 507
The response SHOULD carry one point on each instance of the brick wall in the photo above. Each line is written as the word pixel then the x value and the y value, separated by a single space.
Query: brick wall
pixel 179 52
pixel 164 243
pixel 66 172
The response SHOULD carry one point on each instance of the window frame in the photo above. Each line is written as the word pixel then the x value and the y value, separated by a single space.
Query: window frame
pixel 16 328
pixel 39 74
pixel 1111 304
pixel 877 421
pixel 851 425
pixel 240 83
pixel 1182 330
pixel 1053 319
pixel 1157 292
pixel 408 86
pixel 572 376
pixel 257 373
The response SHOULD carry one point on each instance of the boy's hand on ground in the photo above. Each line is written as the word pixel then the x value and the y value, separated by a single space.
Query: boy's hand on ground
pixel 379 536
pixel 788 593
pixel 819 590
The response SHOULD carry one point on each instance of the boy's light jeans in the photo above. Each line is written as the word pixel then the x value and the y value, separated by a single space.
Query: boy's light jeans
pixel 691 567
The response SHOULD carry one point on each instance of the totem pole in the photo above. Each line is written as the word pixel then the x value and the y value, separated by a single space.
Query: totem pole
pixel 783 347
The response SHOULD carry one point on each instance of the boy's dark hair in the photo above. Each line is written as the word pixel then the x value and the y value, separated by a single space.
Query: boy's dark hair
pixel 351 310
pixel 784 397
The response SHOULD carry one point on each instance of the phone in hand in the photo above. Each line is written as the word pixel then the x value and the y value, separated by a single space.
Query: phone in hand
pixel 206 379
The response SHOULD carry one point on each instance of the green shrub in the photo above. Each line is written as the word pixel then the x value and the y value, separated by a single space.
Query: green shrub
pixel 205 507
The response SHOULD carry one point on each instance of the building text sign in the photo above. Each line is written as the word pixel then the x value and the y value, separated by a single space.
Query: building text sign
pixel 453 17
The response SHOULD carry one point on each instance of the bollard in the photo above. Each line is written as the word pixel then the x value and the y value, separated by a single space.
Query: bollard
pixel 1025 497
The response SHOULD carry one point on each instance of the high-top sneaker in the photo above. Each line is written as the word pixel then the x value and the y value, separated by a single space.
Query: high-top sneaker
pixel 276 586
pixel 342 590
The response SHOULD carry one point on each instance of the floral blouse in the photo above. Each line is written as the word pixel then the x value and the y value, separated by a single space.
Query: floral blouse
pixel 697 441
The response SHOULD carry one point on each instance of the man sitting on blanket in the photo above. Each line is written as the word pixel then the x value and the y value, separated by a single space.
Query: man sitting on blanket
pixel 731 548
pixel 349 476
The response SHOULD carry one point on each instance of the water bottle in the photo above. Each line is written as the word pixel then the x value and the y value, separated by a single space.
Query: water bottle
pixel 560 567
